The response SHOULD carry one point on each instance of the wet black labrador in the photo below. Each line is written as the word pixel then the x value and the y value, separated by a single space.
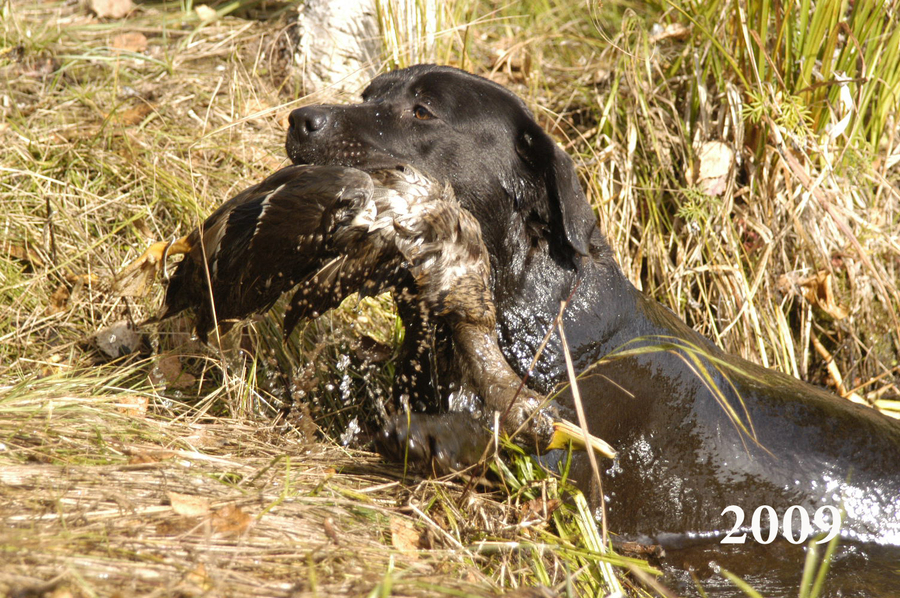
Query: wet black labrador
pixel 682 457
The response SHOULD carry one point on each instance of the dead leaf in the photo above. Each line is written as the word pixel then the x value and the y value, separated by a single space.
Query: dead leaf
pixel 141 225
pixel 20 251
pixel 132 41
pixel 59 301
pixel 168 372
pixel 819 291
pixel 539 508
pixel 715 160
pixel 118 339
pixel 133 405
pixel 113 9
pixel 405 537
pixel 188 505
pixel 197 576
pixel 231 520
pixel 675 31
pixel 132 116
pixel 205 12
pixel 139 457
pixel 330 531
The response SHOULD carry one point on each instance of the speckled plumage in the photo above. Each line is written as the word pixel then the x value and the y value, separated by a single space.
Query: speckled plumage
pixel 324 232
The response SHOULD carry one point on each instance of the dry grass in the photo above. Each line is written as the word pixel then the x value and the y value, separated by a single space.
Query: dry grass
pixel 97 501
pixel 112 142
pixel 150 474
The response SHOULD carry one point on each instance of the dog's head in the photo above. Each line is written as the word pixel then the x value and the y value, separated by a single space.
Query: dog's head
pixel 466 130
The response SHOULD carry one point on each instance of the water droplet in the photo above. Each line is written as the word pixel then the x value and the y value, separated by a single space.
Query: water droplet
pixel 351 432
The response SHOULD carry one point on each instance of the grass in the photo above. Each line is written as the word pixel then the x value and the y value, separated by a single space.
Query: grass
pixel 788 256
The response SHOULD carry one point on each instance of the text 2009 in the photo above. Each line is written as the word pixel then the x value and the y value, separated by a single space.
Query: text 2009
pixel 794 515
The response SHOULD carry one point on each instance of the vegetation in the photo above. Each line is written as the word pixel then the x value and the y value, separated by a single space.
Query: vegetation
pixel 742 157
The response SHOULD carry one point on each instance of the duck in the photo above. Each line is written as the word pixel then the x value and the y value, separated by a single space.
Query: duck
pixel 323 232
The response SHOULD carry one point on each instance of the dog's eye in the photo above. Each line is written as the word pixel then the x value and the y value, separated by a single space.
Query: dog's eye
pixel 422 113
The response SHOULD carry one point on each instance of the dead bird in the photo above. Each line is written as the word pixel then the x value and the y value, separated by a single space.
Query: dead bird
pixel 324 232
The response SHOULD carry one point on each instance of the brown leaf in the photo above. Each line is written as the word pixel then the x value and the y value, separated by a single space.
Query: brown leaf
pixel 188 505
pixel 59 301
pixel 330 530
pixel 405 537
pixel 20 251
pixel 231 520
pixel 168 372
pixel 134 405
pixel 113 9
pixel 132 116
pixel 715 161
pixel 819 291
pixel 118 339
pixel 675 31
pixel 139 457
pixel 132 41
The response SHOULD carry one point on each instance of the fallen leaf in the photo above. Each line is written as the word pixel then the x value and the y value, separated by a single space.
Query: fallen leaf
pixel 132 41
pixel 715 160
pixel 132 116
pixel 188 505
pixel 231 520
pixel 59 301
pixel 330 530
pixel 675 31
pixel 168 372
pixel 133 405
pixel 118 339
pixel 139 457
pixel 205 12
pixel 113 9
pixel 405 537
pixel 819 291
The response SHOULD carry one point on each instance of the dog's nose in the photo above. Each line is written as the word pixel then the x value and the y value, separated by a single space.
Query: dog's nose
pixel 309 119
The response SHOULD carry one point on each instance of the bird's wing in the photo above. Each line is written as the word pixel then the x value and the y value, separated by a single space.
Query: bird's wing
pixel 263 241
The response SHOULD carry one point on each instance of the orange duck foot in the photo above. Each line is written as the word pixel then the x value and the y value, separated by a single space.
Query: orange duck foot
pixel 133 280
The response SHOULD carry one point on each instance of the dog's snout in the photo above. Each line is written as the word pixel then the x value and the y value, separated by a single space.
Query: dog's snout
pixel 309 120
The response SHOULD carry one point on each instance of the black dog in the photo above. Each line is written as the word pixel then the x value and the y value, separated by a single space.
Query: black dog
pixel 682 457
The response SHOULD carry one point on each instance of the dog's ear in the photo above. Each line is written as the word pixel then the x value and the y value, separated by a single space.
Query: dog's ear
pixel 570 209
pixel 570 214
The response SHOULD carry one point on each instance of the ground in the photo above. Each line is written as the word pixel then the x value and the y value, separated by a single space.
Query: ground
pixel 755 200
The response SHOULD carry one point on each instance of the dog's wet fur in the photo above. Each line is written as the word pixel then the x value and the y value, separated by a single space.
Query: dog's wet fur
pixel 682 458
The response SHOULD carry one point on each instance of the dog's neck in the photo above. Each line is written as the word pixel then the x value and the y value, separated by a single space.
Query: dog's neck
pixel 600 303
